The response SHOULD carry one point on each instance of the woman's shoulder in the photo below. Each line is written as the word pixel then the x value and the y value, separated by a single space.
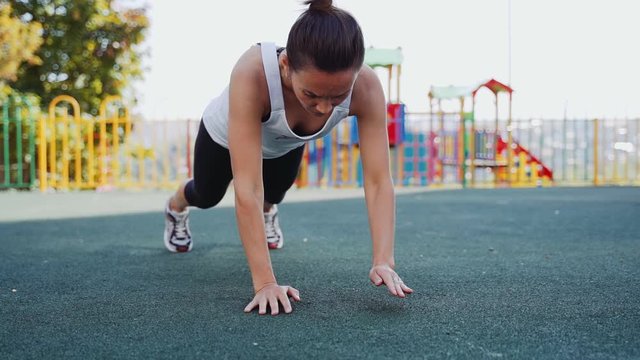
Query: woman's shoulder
pixel 249 64
pixel 248 73
pixel 366 89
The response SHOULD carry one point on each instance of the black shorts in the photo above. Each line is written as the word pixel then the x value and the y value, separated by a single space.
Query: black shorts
pixel 212 173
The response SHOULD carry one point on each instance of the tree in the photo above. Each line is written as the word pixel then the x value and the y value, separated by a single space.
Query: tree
pixel 18 43
pixel 90 49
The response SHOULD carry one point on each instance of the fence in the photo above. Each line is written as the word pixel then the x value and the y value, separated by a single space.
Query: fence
pixel 17 144
pixel 566 152
pixel 114 151
pixel 111 151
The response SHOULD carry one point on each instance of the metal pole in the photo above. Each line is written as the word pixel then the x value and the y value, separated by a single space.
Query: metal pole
pixel 575 150
pixel 615 152
pixel 586 150
pixel 441 145
pixel 91 153
pixel 542 143
pixel 32 145
pixel 461 146
pixel 595 153
pixel 509 137
pixel 472 141
pixel 390 72
pixel 552 124
pixel 564 149
pixel 398 70
pixel 19 157
pixel 626 154
pixel 42 153
pixel 5 141
pixel 496 140
pixel 431 146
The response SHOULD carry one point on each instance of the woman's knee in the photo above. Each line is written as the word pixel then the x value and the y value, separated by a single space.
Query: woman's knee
pixel 201 196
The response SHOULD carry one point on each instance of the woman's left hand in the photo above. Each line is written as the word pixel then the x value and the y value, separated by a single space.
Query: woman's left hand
pixel 384 274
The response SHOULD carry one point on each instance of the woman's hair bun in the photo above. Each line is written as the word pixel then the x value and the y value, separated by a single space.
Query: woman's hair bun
pixel 319 5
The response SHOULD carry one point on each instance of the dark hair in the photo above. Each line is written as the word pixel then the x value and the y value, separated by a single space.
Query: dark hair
pixel 326 37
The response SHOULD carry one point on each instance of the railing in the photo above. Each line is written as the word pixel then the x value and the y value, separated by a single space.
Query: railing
pixel 113 151
pixel 17 144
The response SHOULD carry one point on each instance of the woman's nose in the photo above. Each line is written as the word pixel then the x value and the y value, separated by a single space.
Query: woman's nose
pixel 324 106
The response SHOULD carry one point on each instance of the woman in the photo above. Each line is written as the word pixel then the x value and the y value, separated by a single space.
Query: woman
pixel 255 131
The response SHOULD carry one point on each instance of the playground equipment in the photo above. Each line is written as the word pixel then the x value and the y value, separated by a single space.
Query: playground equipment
pixel 461 146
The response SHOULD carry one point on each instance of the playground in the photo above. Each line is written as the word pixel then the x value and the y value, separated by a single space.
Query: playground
pixel 506 273
pixel 519 236
pixel 64 149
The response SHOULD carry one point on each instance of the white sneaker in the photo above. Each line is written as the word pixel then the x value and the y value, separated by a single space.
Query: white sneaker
pixel 177 237
pixel 275 240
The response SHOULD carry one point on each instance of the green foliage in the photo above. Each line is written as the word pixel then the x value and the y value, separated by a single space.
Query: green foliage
pixel 90 49
pixel 18 43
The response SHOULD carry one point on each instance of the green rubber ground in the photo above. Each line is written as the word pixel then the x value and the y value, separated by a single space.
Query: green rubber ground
pixel 498 274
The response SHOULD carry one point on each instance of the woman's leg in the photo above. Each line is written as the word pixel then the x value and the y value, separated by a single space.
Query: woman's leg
pixel 279 174
pixel 211 175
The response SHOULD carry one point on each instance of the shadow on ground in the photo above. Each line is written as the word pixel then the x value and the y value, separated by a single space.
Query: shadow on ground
pixel 531 273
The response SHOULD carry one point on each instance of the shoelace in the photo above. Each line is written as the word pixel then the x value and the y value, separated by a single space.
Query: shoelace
pixel 181 228
pixel 270 227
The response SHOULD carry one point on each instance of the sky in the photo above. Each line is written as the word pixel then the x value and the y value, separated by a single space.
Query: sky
pixel 562 57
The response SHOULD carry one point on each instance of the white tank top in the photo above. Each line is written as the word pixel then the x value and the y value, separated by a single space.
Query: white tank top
pixel 277 138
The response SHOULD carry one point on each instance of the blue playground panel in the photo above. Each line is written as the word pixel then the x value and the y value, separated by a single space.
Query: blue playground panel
pixel 415 159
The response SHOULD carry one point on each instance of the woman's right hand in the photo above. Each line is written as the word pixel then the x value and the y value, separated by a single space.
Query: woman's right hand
pixel 273 295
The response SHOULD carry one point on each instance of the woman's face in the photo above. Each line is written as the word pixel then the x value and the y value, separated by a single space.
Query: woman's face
pixel 320 91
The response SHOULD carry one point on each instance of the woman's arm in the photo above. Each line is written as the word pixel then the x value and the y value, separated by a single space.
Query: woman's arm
pixel 370 108
pixel 246 108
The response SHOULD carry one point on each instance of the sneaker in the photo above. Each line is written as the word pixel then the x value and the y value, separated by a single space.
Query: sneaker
pixel 177 237
pixel 275 240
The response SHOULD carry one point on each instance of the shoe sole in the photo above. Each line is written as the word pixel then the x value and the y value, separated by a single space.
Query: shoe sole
pixel 275 246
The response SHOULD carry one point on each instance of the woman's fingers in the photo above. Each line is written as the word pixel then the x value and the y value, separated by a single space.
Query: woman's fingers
pixel 386 275
pixel 406 289
pixel 273 297
pixel 388 280
pixel 295 294
pixel 375 278
pixel 273 304
pixel 262 305
pixel 398 284
pixel 286 304
pixel 251 305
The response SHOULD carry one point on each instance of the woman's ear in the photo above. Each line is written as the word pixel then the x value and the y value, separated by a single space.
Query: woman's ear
pixel 284 65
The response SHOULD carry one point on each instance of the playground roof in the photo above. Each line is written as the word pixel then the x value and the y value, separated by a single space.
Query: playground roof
pixel 453 92
pixel 383 57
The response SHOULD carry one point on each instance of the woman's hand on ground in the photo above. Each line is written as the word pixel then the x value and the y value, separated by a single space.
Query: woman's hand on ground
pixel 273 295
pixel 384 274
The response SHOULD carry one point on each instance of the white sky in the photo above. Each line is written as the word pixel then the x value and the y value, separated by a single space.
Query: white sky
pixel 580 55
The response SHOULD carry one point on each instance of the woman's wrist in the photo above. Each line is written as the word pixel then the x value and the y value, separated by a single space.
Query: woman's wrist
pixel 388 261
pixel 259 285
